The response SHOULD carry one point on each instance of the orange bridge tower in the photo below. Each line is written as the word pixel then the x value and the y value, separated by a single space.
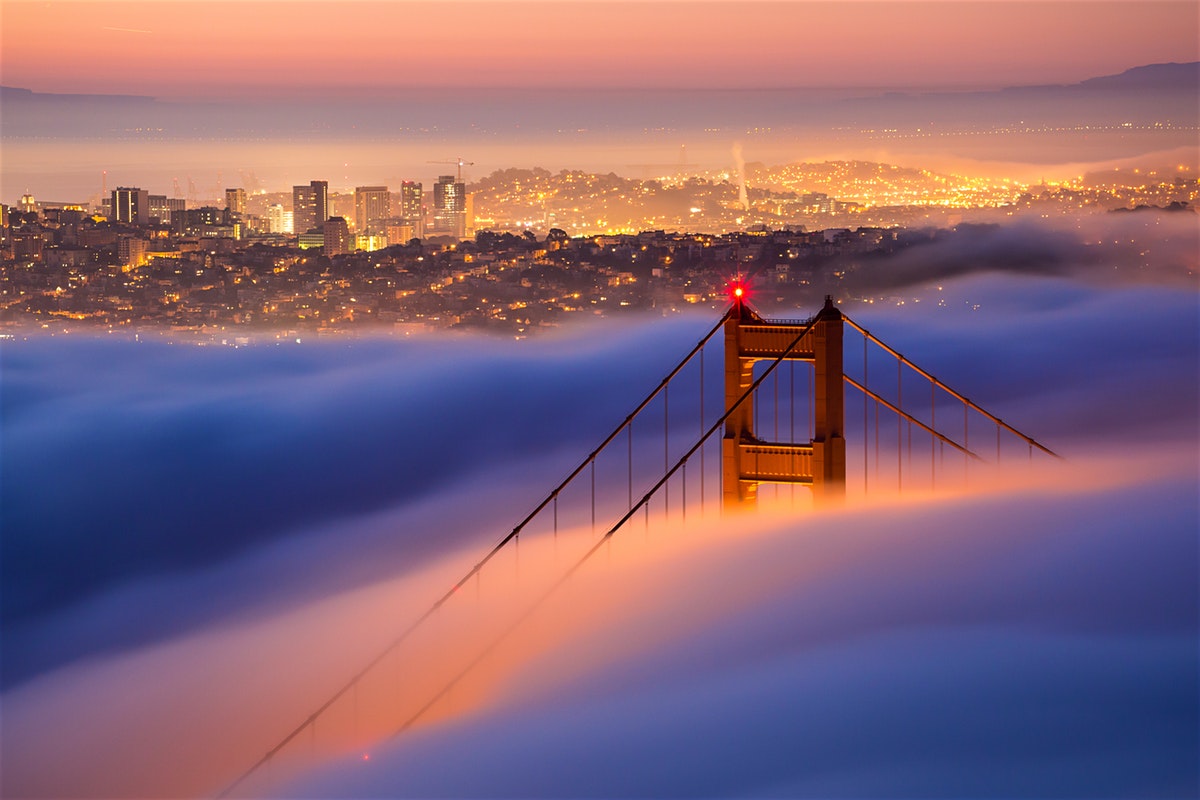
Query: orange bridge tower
pixel 746 460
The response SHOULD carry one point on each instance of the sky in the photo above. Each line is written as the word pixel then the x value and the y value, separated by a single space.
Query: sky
pixel 368 93
pixel 246 527
pixel 179 49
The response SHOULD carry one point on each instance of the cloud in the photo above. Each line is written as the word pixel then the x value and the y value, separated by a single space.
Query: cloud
pixel 1108 249
pixel 133 461
pixel 244 532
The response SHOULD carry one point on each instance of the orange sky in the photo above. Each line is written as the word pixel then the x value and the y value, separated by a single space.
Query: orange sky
pixel 181 48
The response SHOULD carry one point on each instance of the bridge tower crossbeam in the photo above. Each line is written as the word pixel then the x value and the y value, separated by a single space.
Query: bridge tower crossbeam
pixel 746 459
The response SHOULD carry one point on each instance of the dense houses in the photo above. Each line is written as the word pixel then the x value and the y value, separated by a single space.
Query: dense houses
pixel 506 282
pixel 214 273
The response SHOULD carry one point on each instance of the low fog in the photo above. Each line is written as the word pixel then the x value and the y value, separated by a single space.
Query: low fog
pixel 201 545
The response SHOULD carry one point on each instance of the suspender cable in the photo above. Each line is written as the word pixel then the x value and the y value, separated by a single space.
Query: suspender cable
pixel 408 631
pixel 701 431
pixel 966 436
pixel 932 440
pixel 910 418
pixel 1030 440
pixel 899 425
pixel 666 447
pixel 866 405
pixel 629 429
pixel 643 503
pixel 878 465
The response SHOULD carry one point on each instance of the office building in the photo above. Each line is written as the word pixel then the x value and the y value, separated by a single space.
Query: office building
pixel 160 212
pixel 235 201
pixel 311 240
pixel 131 205
pixel 337 239
pixel 412 208
pixel 400 231
pixel 310 206
pixel 372 205
pixel 449 207
pixel 131 252
pixel 279 220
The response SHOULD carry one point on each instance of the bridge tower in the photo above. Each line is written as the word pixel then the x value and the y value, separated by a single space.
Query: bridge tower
pixel 746 460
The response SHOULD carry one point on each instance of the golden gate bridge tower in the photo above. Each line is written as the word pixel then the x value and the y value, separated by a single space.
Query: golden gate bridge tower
pixel 747 460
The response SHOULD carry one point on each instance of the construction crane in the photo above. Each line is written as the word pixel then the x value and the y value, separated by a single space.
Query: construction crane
pixel 460 163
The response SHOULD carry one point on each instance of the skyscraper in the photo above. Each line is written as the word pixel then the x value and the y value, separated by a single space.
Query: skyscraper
pixel 278 220
pixel 412 209
pixel 372 205
pixel 5 233
pixel 310 205
pixel 131 205
pixel 337 237
pixel 449 207
pixel 235 201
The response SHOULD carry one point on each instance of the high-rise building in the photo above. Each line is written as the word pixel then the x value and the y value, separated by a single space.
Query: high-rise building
pixel 449 207
pixel 278 220
pixel 372 205
pixel 160 211
pixel 235 201
pixel 131 205
pixel 412 209
pixel 400 231
pixel 337 236
pixel 310 205
pixel 411 197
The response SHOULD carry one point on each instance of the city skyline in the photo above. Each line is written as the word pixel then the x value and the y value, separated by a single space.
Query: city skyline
pixel 71 148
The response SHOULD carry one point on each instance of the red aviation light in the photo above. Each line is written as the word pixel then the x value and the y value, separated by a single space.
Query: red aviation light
pixel 739 292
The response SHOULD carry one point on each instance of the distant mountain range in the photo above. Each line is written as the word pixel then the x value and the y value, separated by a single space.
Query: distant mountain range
pixel 1143 95
pixel 1183 77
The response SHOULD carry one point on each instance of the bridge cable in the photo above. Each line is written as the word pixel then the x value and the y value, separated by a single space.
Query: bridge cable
pixel 895 354
pixel 644 502
pixel 909 417
pixel 413 626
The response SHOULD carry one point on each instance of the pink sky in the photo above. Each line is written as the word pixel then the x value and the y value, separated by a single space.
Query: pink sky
pixel 181 48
